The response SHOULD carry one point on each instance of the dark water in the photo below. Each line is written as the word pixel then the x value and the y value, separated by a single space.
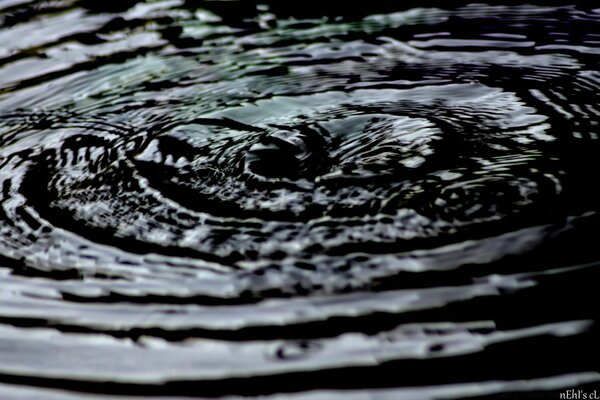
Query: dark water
pixel 298 200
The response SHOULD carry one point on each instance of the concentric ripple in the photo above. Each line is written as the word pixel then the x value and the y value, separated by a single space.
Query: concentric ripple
pixel 231 199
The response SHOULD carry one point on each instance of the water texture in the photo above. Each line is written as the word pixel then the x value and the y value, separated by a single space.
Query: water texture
pixel 298 200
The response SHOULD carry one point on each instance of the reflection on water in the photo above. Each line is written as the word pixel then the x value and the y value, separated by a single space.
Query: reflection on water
pixel 304 201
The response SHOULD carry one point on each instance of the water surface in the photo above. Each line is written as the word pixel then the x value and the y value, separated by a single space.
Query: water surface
pixel 304 201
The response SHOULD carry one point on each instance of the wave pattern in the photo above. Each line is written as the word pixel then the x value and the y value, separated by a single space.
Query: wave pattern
pixel 231 199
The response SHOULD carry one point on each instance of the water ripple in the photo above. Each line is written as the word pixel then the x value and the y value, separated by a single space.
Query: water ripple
pixel 225 199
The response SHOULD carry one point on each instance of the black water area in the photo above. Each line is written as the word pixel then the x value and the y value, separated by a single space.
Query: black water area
pixel 299 200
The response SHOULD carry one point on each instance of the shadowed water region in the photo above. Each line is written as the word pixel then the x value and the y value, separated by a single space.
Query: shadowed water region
pixel 299 200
